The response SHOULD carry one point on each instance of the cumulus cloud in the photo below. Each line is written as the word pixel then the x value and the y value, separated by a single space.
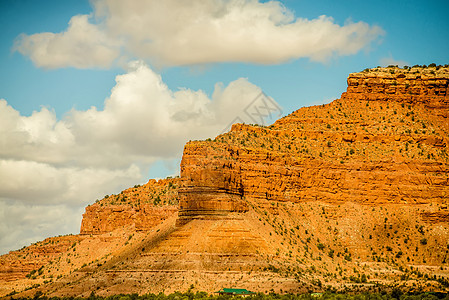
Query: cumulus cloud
pixel 32 182
pixel 142 120
pixel 63 165
pixel 175 32
pixel 83 45
pixel 23 223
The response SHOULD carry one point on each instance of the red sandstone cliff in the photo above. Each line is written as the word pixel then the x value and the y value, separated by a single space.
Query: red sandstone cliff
pixel 141 207
pixel 324 196
pixel 385 141
pixel 428 87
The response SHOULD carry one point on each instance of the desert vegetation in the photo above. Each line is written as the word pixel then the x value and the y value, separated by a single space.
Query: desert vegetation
pixel 348 199
pixel 392 295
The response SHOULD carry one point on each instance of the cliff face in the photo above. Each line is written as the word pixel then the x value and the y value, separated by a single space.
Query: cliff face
pixel 140 208
pixel 428 87
pixel 98 220
pixel 385 141
pixel 326 196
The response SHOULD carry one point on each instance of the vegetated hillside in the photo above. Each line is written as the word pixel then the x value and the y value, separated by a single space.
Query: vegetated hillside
pixel 141 207
pixel 348 195
pixel 109 227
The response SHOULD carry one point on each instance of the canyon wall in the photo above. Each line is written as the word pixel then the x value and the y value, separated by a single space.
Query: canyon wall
pixel 385 141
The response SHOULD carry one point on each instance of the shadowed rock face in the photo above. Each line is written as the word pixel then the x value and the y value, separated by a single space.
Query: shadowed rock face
pixel 208 203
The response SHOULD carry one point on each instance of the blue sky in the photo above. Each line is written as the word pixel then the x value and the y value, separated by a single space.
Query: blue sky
pixel 62 146
pixel 416 33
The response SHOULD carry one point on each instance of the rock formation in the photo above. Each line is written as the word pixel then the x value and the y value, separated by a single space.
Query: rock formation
pixel 427 87
pixel 383 142
pixel 351 192
pixel 28 260
pixel 141 207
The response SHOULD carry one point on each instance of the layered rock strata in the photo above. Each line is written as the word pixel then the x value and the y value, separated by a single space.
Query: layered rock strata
pixel 354 191
pixel 28 260
pixel 428 87
pixel 385 141
pixel 141 207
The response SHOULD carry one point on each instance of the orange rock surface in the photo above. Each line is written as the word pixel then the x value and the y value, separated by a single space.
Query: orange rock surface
pixel 348 195
pixel 428 87
pixel 142 207
pixel 18 264
pixel 385 141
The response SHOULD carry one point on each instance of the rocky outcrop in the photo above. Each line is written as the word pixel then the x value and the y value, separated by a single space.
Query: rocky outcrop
pixel 141 208
pixel 208 202
pixel 326 196
pixel 382 142
pixel 428 86
pixel 98 219
pixel 29 260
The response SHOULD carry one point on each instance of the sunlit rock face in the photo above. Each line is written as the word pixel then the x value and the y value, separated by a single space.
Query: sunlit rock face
pixel 326 196
pixel 384 141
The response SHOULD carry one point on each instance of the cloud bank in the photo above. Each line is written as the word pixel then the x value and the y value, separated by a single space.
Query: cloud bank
pixel 50 169
pixel 175 32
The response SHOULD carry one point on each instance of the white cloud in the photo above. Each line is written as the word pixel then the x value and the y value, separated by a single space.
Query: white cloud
pixel 40 183
pixel 174 32
pixel 83 45
pixel 23 223
pixel 40 200
pixel 62 165
pixel 142 120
